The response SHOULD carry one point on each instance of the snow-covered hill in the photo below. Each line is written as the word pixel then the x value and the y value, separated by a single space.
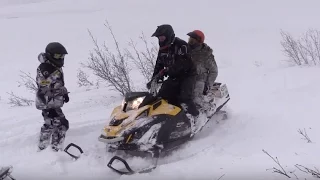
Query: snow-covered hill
pixel 270 101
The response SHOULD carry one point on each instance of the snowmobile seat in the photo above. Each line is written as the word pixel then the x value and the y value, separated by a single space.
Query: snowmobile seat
pixel 133 95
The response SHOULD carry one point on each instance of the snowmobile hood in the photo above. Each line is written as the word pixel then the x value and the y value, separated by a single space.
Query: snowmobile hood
pixel 122 122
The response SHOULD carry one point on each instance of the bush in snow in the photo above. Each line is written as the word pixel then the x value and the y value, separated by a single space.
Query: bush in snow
pixel 315 173
pixel 16 100
pixel 109 66
pixel 114 68
pixel 305 135
pixel 83 79
pixel 27 82
pixel 302 51
pixel 144 60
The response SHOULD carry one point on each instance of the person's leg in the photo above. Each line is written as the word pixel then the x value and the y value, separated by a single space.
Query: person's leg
pixel 187 95
pixel 170 91
pixel 46 130
pixel 61 126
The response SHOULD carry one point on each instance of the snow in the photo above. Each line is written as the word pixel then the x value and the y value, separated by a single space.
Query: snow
pixel 270 100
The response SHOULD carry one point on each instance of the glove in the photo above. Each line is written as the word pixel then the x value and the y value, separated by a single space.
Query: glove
pixel 163 72
pixel 63 90
pixel 66 98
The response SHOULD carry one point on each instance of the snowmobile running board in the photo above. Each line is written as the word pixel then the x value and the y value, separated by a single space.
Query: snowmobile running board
pixel 128 168
pixel 6 173
pixel 70 154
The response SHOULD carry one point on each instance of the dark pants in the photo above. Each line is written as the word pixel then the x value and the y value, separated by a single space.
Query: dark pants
pixel 179 91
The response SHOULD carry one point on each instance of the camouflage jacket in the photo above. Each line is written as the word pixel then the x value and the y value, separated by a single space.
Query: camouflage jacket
pixel 50 82
pixel 207 70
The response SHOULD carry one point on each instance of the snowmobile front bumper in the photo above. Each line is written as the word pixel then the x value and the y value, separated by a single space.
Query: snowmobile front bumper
pixel 105 139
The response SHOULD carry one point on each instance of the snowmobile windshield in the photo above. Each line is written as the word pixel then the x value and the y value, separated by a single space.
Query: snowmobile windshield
pixel 133 104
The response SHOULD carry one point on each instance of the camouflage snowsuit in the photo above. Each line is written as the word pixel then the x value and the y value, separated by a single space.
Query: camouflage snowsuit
pixel 207 71
pixel 50 99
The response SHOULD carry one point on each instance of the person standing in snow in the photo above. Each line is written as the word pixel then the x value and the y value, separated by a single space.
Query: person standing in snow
pixel 51 96
pixel 207 70
pixel 174 61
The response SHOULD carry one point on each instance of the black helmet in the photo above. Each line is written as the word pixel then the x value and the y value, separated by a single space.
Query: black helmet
pixel 167 31
pixel 55 53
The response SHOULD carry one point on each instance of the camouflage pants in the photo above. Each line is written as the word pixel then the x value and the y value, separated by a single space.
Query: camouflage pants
pixel 55 127
pixel 198 93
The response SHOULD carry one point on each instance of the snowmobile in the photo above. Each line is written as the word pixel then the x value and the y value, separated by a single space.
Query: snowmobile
pixel 146 124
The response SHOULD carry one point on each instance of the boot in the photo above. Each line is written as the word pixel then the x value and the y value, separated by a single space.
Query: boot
pixel 58 135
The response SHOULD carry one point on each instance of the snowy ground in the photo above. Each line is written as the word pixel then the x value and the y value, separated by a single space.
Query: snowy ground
pixel 269 103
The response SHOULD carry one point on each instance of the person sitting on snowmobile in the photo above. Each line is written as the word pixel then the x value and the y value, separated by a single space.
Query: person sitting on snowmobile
pixel 174 61
pixel 51 95
pixel 207 70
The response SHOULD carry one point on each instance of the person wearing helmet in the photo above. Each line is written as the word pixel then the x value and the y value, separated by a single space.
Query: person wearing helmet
pixel 51 95
pixel 174 62
pixel 207 70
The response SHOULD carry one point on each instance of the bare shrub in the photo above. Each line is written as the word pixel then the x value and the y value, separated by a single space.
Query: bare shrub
pixel 144 60
pixel 276 170
pixel 15 100
pixel 109 66
pixel 315 173
pixel 305 135
pixel 83 79
pixel 221 177
pixel 302 51
pixel 28 82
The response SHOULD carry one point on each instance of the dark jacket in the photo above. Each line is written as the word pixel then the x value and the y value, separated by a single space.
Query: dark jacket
pixel 177 59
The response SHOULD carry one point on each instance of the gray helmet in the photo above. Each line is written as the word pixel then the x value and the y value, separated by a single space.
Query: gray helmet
pixel 167 31
pixel 55 53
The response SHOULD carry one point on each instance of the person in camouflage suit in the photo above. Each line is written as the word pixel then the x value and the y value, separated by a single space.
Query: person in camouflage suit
pixel 207 70
pixel 51 95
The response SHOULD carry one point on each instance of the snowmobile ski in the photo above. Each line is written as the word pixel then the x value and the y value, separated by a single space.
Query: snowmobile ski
pixel 72 155
pixel 5 173
pixel 128 170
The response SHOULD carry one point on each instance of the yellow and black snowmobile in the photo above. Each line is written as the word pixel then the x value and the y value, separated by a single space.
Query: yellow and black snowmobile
pixel 144 124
